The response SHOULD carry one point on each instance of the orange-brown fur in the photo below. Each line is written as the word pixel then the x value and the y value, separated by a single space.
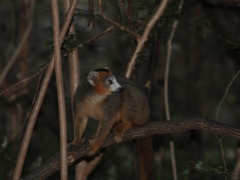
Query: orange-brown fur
pixel 99 87
pixel 118 111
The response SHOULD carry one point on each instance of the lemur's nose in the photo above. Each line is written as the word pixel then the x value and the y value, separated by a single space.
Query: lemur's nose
pixel 121 89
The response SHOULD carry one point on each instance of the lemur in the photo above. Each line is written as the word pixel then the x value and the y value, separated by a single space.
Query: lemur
pixel 116 102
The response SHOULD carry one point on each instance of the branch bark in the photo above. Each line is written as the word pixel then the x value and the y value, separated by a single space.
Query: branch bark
pixel 39 99
pixel 60 89
pixel 52 165
pixel 16 53
pixel 144 37
pixel 166 101
pixel 134 34
pixel 96 37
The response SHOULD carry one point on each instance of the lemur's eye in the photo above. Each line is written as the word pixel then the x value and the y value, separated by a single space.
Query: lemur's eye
pixel 109 81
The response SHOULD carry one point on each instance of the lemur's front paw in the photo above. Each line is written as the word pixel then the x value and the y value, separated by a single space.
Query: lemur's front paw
pixel 73 143
pixel 93 147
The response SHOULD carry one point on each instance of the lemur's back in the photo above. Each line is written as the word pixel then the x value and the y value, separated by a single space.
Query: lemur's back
pixel 134 102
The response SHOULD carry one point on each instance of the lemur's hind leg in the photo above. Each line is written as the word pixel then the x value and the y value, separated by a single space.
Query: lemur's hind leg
pixel 119 129
pixel 104 128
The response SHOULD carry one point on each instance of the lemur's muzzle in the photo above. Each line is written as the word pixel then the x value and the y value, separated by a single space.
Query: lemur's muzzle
pixel 119 90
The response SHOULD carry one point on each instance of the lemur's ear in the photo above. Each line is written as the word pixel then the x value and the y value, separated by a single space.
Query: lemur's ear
pixel 93 78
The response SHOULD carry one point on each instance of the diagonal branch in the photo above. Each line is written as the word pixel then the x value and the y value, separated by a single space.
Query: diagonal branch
pixel 121 5
pixel 96 37
pixel 39 99
pixel 137 36
pixel 145 35
pixel 52 165
pixel 25 36
pixel 13 88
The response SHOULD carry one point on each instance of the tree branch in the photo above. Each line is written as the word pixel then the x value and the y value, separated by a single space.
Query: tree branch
pixel 60 89
pixel 166 77
pixel 39 99
pixel 12 89
pixel 13 58
pixel 121 5
pixel 96 37
pixel 52 165
pixel 134 34
pixel 144 37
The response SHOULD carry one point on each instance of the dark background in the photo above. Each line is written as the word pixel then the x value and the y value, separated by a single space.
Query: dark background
pixel 205 58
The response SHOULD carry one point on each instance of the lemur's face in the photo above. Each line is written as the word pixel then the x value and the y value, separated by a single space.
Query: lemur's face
pixel 104 81
pixel 112 85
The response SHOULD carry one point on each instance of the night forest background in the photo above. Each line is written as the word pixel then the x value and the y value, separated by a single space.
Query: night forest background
pixel 204 60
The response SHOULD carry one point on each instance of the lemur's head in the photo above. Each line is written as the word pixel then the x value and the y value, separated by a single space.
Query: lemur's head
pixel 104 81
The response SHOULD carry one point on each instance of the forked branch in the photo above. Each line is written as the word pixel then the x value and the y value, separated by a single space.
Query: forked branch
pixel 52 165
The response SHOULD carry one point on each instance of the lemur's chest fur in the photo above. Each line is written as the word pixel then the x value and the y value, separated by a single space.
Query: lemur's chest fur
pixel 93 107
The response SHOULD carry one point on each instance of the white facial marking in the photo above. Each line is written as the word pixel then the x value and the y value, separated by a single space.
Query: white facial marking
pixel 113 85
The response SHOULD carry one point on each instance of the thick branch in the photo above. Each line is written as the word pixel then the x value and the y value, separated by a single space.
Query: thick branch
pixel 161 127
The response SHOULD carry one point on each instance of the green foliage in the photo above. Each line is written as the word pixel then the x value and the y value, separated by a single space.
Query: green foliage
pixel 80 13
pixel 201 25
pixel 235 43
pixel 69 44
pixel 202 169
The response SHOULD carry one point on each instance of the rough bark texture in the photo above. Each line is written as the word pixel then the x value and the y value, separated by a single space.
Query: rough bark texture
pixel 161 127
pixel 144 158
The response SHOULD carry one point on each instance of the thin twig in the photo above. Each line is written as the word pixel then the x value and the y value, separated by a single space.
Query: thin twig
pixel 24 80
pixel 166 101
pixel 91 10
pixel 169 47
pixel 130 9
pixel 223 155
pixel 145 35
pixel 22 42
pixel 12 60
pixel 225 94
pixel 135 35
pixel 96 37
pixel 121 5
pixel 217 113
pixel 100 6
pixel 39 100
